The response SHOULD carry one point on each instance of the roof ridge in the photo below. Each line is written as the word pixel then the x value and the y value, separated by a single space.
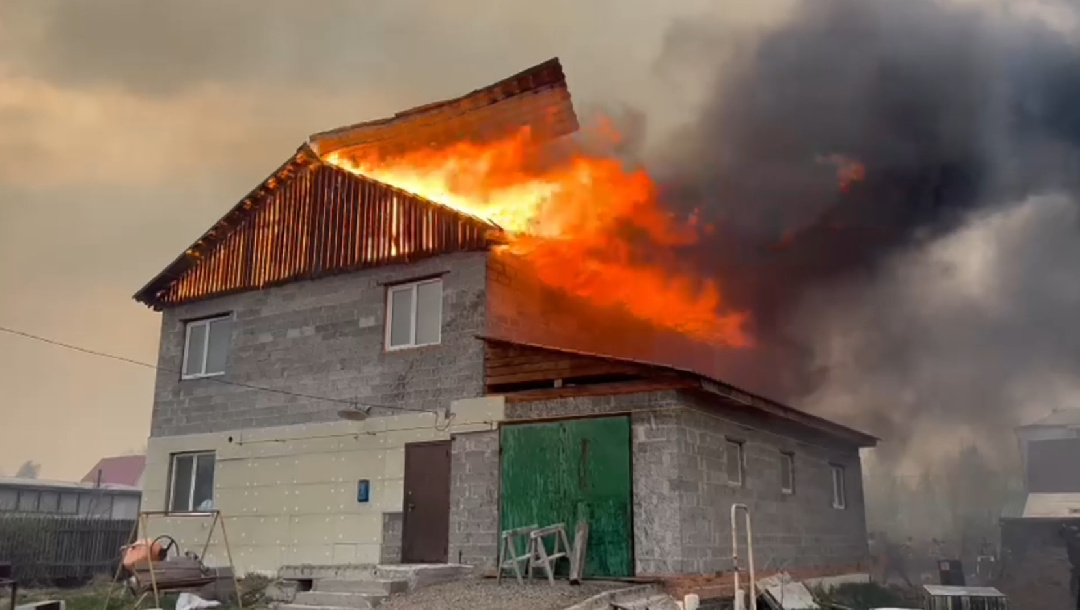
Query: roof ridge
pixel 551 65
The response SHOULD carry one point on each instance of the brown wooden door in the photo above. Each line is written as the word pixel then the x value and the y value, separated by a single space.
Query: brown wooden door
pixel 426 522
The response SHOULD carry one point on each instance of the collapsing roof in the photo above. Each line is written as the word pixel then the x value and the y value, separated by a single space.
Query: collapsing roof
pixel 309 219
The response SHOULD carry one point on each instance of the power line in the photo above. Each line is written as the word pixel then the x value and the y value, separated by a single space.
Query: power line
pixel 342 401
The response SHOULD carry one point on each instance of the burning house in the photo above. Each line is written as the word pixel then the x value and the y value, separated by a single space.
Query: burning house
pixel 421 331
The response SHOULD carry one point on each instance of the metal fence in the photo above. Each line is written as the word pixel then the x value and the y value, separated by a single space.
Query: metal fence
pixel 62 550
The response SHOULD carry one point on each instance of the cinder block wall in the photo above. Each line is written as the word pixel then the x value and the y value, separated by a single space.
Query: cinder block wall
pixel 474 499
pixel 801 530
pixel 682 500
pixel 324 338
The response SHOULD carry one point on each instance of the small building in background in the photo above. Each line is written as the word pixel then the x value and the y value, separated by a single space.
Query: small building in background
pixel 1038 529
pixel 21 496
pixel 120 470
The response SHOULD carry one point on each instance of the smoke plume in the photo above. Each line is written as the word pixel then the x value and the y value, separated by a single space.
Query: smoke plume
pixel 935 293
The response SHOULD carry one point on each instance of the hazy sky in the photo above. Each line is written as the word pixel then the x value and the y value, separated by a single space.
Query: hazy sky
pixel 127 127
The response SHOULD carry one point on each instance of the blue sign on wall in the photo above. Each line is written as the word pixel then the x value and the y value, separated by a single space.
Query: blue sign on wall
pixel 363 490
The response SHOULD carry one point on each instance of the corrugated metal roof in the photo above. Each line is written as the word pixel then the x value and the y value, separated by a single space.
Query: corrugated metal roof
pixel 60 485
pixel 1052 506
pixel 1014 506
pixel 948 591
pixel 1058 417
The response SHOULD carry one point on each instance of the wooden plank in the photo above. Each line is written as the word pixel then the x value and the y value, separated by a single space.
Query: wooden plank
pixel 592 366
pixel 606 389
pixel 577 556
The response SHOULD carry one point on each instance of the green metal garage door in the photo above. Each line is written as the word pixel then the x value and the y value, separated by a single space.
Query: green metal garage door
pixel 567 471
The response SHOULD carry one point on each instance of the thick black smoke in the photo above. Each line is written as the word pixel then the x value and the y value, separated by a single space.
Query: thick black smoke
pixel 951 110
pixel 932 302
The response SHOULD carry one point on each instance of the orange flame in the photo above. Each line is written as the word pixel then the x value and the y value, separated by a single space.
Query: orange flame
pixel 575 216
pixel 848 170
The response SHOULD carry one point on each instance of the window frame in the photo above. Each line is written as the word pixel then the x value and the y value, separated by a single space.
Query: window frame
pixel 190 503
pixel 188 326
pixel 69 494
pixel 787 487
pixel 28 493
pixel 14 491
pixel 740 453
pixel 839 486
pixel 412 286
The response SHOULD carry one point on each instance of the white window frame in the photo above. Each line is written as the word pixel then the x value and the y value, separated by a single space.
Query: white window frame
pixel 184 374
pixel 194 455
pixel 740 454
pixel 787 487
pixel 839 486
pixel 414 288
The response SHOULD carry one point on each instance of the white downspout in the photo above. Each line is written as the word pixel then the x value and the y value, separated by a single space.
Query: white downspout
pixel 749 556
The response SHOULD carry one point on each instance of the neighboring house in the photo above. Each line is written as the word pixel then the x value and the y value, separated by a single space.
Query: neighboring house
pixel 120 470
pixel 59 498
pixel 492 402
pixel 1035 557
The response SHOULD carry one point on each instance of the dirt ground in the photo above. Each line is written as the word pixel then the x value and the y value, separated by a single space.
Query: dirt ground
pixel 485 594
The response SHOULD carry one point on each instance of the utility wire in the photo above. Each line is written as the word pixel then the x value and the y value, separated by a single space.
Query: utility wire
pixel 343 401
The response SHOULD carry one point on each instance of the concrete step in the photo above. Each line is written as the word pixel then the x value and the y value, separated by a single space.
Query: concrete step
pixel 422 575
pixel 374 587
pixel 338 600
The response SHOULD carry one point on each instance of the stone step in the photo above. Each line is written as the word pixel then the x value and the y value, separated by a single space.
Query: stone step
pixel 422 575
pixel 338 600
pixel 375 587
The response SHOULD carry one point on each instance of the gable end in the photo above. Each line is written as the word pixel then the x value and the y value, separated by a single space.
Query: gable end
pixel 307 220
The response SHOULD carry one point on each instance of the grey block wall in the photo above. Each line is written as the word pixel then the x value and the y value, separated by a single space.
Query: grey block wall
pixel 798 530
pixel 324 337
pixel 474 499
pixel 390 546
pixel 682 499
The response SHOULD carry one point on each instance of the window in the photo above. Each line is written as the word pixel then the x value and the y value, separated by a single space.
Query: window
pixel 414 314
pixel 192 485
pixel 206 347
pixel 69 503
pixel 49 503
pixel 28 501
pixel 735 462
pixel 839 490
pixel 787 473
pixel 9 499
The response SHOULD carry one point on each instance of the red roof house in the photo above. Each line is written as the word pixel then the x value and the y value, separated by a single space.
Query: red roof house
pixel 120 470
